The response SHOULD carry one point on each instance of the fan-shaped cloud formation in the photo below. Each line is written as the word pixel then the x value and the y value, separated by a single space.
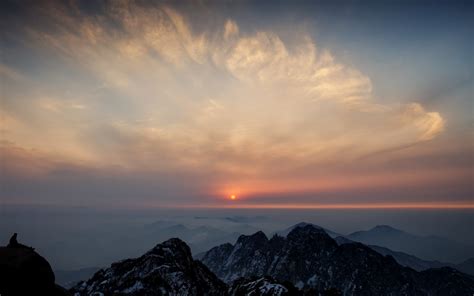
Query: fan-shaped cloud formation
pixel 157 95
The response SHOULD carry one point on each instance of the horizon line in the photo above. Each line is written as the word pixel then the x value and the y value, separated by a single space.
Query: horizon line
pixel 278 206
pixel 407 206
pixel 302 206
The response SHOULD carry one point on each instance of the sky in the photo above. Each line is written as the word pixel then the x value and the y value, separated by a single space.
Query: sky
pixel 283 104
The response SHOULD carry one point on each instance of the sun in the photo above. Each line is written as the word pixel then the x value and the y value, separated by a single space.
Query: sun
pixel 233 197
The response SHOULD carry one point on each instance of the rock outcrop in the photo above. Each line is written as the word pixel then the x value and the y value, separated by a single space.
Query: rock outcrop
pixel 311 260
pixel 167 269
pixel 25 272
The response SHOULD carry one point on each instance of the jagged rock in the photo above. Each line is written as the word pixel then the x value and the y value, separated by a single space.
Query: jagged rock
pixel 268 286
pixel 25 272
pixel 219 254
pixel 167 269
pixel 304 249
pixel 310 259
pixel 264 286
pixel 446 281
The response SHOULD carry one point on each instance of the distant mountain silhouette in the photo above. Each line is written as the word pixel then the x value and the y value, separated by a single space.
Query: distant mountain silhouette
pixel 414 262
pixel 424 247
pixel 310 259
pixel 25 272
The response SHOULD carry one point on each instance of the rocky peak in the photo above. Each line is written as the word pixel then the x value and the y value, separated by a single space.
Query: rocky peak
pixel 312 261
pixel 255 255
pixel 258 238
pixel 263 286
pixel 173 251
pixel 217 254
pixel 276 241
pixel 307 232
pixel 25 272
pixel 311 239
pixel 168 268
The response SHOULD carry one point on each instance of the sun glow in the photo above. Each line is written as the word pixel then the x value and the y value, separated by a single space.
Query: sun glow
pixel 233 197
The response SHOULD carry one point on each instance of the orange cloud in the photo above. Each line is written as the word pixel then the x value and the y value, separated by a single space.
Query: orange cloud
pixel 251 108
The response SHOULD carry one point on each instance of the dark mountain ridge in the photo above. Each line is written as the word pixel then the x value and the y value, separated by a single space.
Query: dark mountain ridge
pixel 305 262
pixel 414 262
pixel 310 259
pixel 286 231
pixel 167 269
pixel 24 272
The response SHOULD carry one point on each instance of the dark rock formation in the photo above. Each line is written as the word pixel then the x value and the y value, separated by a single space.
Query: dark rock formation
pixel 25 272
pixel 167 269
pixel 414 262
pixel 424 247
pixel 264 286
pixel 311 259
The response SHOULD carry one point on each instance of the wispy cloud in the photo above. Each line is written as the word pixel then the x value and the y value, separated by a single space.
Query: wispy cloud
pixel 158 95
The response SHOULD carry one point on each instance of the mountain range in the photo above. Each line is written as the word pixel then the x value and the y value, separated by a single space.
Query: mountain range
pixel 199 238
pixel 414 262
pixel 425 247
pixel 205 237
pixel 307 261
pixel 392 234
pixel 304 259
pixel 311 260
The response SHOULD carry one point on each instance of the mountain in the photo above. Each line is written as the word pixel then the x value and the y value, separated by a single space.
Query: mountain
pixel 68 278
pixel 425 247
pixel 310 259
pixel 410 260
pixel 167 269
pixel 446 281
pixel 340 240
pixel 263 286
pixel 25 272
pixel 401 258
pixel 414 262
pixel 268 286
pixel 466 266
pixel 285 232
pixel 198 238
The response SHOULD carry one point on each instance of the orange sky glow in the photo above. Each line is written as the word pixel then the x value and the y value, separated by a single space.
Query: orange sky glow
pixel 300 206
pixel 162 108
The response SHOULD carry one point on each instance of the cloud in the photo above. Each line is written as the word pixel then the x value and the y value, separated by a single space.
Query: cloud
pixel 159 95
pixel 230 29
pixel 429 124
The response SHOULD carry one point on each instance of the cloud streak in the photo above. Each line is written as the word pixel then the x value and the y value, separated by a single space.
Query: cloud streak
pixel 156 95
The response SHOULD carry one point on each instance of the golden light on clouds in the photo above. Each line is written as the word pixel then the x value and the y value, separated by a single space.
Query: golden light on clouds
pixel 245 107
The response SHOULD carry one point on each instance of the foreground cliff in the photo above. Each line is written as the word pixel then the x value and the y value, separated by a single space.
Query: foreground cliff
pixel 24 272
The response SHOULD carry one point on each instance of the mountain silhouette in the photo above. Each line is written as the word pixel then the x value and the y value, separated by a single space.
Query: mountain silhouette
pixel 310 259
pixel 424 247
pixel 167 269
pixel 307 261
pixel 25 272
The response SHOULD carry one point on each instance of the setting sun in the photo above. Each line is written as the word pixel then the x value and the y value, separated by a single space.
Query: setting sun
pixel 291 146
